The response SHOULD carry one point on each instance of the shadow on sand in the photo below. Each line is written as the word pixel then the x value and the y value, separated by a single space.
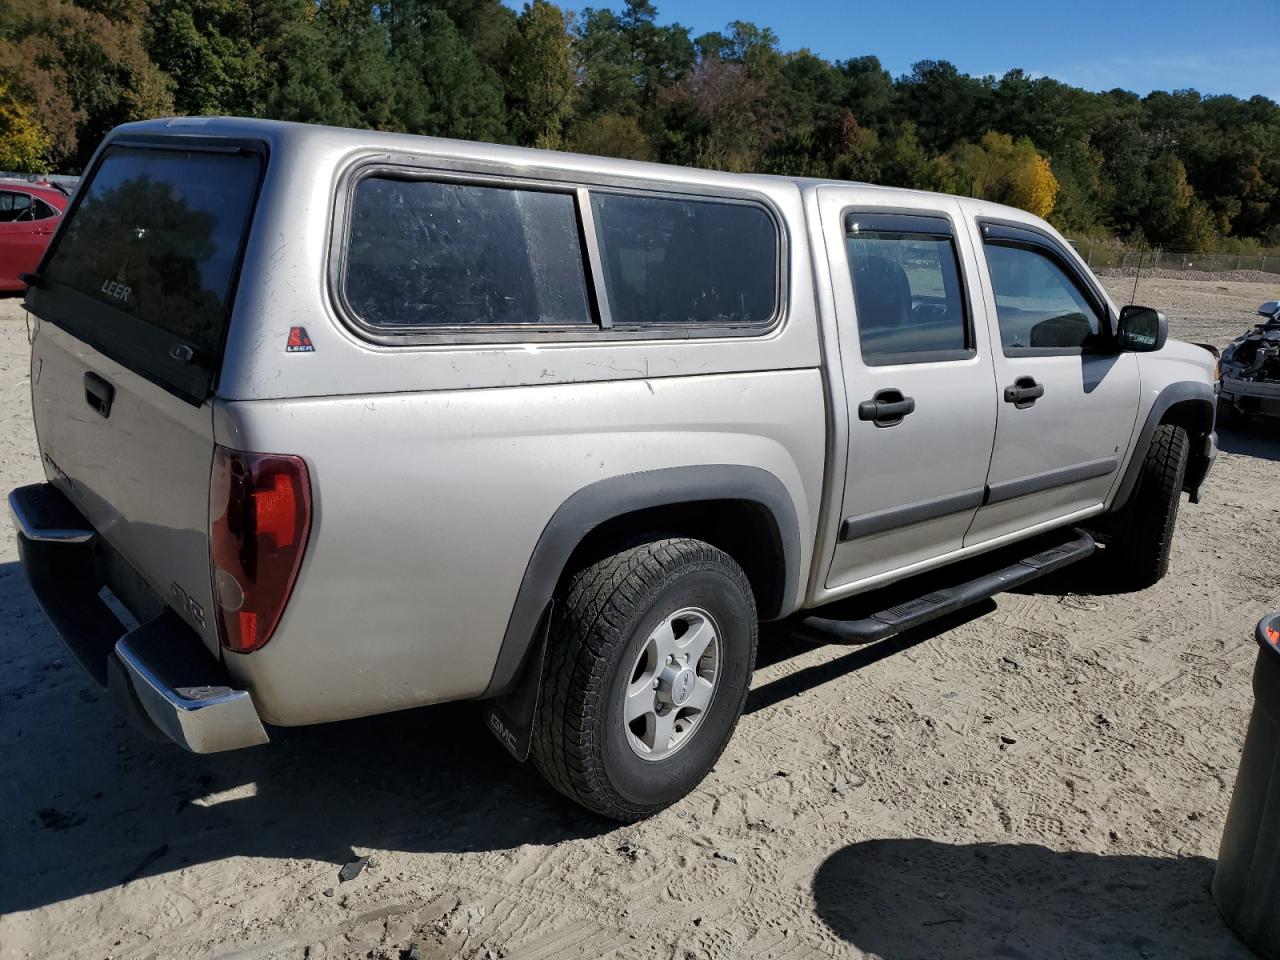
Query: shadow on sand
pixel 89 804
pixel 1259 437
pixel 921 900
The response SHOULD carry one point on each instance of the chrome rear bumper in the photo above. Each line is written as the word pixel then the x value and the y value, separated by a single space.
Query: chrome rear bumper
pixel 160 672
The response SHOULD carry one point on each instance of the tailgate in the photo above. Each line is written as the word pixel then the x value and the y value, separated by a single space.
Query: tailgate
pixel 134 300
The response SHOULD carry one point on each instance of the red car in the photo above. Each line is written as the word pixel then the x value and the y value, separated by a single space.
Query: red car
pixel 29 213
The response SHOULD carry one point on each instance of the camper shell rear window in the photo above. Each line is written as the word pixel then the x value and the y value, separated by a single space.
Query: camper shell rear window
pixel 145 267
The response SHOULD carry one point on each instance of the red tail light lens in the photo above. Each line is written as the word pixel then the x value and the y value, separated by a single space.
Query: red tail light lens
pixel 259 518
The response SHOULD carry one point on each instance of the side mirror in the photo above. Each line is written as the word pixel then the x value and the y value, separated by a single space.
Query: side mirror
pixel 1141 330
pixel 1270 309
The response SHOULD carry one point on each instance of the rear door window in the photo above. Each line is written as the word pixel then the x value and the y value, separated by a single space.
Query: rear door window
pixel 145 268
pixel 694 262
pixel 41 211
pixel 426 254
pixel 13 206
pixel 907 289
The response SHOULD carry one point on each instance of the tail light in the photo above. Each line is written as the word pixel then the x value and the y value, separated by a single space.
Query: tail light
pixel 259 519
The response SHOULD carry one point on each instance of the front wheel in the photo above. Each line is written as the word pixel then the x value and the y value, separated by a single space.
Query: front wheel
pixel 1140 535
pixel 648 667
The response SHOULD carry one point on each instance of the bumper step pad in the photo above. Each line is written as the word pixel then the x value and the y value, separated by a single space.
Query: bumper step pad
pixel 1063 549
pixel 160 673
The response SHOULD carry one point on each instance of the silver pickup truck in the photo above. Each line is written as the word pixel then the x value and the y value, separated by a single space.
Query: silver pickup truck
pixel 337 423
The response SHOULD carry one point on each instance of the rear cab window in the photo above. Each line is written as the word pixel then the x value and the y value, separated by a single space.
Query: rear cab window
pixel 145 268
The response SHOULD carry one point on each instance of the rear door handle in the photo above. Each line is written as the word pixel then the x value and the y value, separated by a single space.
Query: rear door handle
pixel 886 408
pixel 98 393
pixel 1024 392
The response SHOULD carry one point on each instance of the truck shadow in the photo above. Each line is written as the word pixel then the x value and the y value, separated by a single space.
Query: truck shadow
pixel 88 804
pixel 778 643
pixel 916 899
pixel 1259 438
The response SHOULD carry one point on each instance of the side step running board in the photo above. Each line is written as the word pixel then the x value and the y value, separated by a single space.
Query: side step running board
pixel 944 600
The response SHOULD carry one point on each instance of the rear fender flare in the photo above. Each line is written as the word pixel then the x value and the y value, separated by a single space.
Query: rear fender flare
pixel 615 496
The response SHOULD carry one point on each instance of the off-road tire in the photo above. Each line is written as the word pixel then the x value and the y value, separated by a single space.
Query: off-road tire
pixel 598 627
pixel 1141 533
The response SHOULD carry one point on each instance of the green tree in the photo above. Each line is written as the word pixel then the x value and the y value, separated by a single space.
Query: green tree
pixel 1168 199
pixel 1078 169
pixel 443 88
pixel 813 89
pixel 626 59
pixel 903 162
pixel 304 86
pixel 486 26
pixel 539 75
pixel 836 147
pixel 869 92
pixel 756 48
pixel 946 105
pixel 610 135
pixel 1177 167
pixel 206 48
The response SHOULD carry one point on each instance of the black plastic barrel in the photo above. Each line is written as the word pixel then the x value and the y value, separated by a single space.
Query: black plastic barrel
pixel 1246 884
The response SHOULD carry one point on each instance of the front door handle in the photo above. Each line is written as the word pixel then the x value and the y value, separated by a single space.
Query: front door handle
pixel 1024 392
pixel 886 408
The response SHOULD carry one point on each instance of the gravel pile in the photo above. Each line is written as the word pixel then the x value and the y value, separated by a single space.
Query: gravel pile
pixel 1221 276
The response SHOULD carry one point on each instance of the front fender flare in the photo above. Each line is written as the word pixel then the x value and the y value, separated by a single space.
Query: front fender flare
pixel 1200 412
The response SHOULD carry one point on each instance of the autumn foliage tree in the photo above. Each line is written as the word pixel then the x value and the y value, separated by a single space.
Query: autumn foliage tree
pixel 24 142
pixel 1174 168
pixel 1000 169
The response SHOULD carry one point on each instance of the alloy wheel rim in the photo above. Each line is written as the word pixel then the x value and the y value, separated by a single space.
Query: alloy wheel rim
pixel 672 684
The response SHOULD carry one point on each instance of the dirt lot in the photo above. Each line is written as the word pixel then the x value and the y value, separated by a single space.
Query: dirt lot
pixel 1046 778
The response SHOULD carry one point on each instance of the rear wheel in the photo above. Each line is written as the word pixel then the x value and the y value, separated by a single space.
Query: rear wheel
pixel 647 671
pixel 1141 533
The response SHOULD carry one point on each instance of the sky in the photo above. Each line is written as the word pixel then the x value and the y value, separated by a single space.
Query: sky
pixel 1214 46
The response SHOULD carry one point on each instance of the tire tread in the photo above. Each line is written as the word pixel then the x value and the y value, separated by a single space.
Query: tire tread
pixel 588 629
pixel 1142 538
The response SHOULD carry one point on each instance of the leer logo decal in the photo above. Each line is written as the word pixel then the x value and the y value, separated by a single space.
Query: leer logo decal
pixel 116 289
pixel 299 342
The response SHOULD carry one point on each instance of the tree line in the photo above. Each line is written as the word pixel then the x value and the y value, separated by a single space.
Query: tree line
pixel 1171 168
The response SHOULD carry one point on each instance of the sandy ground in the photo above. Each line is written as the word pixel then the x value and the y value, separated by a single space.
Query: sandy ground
pixel 1047 777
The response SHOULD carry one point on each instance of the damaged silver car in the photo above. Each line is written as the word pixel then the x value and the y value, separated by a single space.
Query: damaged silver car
pixel 1249 377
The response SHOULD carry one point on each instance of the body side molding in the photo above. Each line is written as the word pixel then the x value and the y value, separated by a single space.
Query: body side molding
pixel 1061 477
pixel 894 517
pixel 615 496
